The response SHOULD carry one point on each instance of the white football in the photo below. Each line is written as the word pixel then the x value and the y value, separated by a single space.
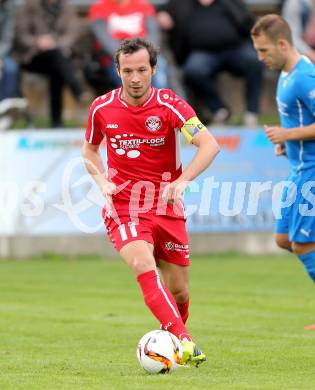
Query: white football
pixel 159 352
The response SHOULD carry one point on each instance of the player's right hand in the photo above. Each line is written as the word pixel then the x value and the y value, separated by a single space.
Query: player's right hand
pixel 108 189
pixel 280 150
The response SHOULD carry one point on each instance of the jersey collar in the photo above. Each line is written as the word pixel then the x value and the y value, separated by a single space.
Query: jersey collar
pixel 146 102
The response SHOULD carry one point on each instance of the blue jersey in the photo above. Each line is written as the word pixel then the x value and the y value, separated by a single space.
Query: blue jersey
pixel 296 106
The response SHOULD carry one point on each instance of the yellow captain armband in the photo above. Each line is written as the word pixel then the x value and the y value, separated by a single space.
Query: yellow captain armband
pixel 192 127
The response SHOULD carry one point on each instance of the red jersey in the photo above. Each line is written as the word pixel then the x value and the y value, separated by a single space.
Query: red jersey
pixel 142 143
pixel 124 20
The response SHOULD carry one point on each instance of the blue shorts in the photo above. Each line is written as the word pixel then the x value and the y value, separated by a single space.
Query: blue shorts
pixel 298 219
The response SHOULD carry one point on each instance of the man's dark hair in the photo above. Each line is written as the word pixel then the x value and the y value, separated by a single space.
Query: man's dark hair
pixel 132 45
pixel 274 27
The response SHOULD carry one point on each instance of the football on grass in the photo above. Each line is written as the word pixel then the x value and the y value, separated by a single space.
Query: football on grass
pixel 159 352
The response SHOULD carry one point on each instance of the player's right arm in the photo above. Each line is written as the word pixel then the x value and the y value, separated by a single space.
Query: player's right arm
pixel 280 150
pixel 96 169
pixel 91 154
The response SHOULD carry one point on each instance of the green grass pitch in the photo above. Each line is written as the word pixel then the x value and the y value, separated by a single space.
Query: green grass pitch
pixel 75 323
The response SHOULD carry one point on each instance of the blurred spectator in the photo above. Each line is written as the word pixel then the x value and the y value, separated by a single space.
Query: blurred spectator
pixel 46 32
pixel 10 99
pixel 115 20
pixel 300 14
pixel 209 37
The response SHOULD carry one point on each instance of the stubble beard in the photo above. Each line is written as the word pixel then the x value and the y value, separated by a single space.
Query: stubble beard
pixel 139 94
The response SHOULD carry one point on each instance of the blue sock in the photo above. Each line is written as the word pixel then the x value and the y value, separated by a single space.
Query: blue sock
pixel 308 259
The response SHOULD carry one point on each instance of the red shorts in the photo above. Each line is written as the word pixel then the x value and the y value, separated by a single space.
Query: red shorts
pixel 167 235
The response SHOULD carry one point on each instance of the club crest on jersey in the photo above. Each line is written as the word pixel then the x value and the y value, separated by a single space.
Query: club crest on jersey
pixel 153 123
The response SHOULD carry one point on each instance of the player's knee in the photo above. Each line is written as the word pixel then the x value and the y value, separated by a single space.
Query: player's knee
pixel 297 249
pixel 282 241
pixel 140 264
pixel 180 293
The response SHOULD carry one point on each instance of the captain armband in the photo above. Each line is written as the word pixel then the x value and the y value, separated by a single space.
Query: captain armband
pixel 192 127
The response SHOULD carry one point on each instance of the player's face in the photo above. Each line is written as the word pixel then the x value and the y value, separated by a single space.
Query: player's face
pixel 136 75
pixel 269 52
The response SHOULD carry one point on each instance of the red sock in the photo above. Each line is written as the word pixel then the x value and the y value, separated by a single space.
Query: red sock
pixel 162 304
pixel 183 309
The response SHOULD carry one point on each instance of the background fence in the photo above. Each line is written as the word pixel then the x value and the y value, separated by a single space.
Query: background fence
pixel 48 197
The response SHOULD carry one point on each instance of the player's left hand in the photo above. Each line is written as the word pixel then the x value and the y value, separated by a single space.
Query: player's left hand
pixel 276 134
pixel 174 192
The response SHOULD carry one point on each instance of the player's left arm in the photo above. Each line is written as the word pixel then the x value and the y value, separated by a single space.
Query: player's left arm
pixel 207 149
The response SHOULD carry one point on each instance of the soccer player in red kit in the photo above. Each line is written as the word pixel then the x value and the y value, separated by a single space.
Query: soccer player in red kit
pixel 144 183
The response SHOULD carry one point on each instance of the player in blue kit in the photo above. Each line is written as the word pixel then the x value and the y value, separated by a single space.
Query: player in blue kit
pixel 295 138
